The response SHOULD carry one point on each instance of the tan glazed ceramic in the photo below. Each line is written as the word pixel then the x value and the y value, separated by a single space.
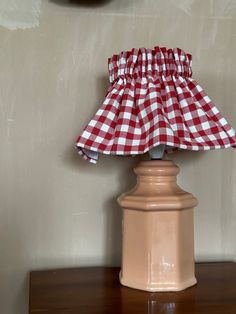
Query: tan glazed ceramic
pixel 158 241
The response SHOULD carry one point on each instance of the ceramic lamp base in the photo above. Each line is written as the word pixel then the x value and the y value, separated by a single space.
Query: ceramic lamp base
pixel 158 242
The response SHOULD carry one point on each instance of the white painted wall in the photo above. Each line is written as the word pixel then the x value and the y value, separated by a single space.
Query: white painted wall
pixel 57 210
pixel 15 14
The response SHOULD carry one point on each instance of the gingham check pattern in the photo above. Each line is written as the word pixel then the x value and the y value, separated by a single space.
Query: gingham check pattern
pixel 153 100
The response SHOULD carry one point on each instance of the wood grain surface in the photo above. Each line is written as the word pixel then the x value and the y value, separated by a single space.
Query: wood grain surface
pixel 97 290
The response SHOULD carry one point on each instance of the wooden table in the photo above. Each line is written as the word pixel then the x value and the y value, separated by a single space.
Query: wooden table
pixel 97 290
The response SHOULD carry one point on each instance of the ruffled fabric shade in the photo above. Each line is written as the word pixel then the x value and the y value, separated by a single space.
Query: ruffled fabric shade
pixel 153 100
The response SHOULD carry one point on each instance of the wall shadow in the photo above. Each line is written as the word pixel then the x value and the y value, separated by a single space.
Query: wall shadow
pixel 113 213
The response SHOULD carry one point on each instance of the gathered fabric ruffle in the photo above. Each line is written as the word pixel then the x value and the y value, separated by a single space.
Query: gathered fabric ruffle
pixel 149 62
pixel 153 100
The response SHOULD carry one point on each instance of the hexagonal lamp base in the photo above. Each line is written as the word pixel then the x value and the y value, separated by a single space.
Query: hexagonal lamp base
pixel 158 241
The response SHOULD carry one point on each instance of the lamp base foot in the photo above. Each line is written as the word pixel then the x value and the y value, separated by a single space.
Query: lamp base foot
pixel 171 287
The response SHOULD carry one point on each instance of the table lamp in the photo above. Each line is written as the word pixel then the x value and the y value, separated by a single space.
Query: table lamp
pixel 154 105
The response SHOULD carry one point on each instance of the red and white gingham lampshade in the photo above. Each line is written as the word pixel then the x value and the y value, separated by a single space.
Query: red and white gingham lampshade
pixel 154 100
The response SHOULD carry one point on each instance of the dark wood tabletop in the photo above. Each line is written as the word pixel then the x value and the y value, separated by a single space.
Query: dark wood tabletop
pixel 97 290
